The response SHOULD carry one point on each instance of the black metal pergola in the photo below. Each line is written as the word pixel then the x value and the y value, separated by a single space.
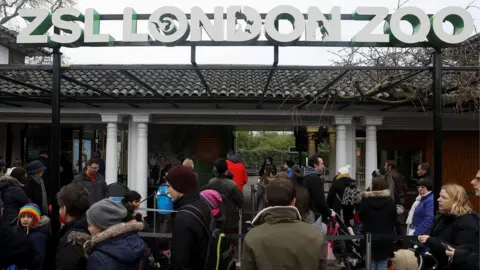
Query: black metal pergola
pixel 59 73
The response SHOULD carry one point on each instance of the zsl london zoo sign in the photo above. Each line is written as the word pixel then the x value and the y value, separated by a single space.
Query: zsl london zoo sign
pixel 172 27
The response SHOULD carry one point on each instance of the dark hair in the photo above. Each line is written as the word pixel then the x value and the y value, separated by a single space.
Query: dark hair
pixel 75 198
pixel 19 174
pixel 425 182
pixel 280 192
pixel 289 163
pixel 302 201
pixel 313 160
pixel 43 152
pixel 17 163
pixel 297 176
pixel 131 196
pixel 269 170
pixel 426 168
pixel 282 175
pixel 379 183
pixel 376 173
pixel 230 153
pixel 92 161
pixel 221 166
pixel 392 163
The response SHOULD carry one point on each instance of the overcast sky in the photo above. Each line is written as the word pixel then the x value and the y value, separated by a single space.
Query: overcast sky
pixel 230 55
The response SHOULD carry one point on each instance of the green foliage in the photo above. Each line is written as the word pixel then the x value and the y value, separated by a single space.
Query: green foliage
pixel 249 140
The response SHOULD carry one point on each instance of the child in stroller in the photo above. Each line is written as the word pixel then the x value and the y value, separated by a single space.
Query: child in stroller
pixel 347 251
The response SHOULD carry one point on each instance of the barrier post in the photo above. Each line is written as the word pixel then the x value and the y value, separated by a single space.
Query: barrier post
pixel 155 213
pixel 240 232
pixel 368 259
pixel 253 201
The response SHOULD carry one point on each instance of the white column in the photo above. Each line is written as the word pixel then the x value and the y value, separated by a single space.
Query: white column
pixel 341 142
pixel 141 181
pixel 111 162
pixel 132 154
pixel 371 162
pixel 351 148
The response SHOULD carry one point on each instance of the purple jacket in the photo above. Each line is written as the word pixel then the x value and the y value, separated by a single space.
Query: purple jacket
pixel 423 215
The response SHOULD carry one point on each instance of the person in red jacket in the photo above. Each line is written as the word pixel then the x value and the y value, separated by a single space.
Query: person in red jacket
pixel 236 167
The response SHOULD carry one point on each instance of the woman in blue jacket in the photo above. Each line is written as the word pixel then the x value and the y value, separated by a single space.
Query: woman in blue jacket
pixel 421 221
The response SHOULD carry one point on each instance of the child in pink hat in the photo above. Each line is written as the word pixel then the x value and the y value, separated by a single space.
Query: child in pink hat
pixel 213 198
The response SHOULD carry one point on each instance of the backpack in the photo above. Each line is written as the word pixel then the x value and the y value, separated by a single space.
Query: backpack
pixel 351 195
pixel 164 202
pixel 219 252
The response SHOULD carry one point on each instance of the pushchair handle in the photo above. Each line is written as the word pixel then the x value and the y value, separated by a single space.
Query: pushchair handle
pixel 417 251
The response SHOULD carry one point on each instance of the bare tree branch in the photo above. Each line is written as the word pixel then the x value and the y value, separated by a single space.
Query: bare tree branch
pixel 9 8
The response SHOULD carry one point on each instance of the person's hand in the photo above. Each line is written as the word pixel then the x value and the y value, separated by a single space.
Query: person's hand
pixel 423 238
pixel 333 214
pixel 450 252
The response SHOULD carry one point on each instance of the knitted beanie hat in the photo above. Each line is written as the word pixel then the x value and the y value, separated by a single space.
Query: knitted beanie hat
pixel 183 179
pixel 344 170
pixel 31 209
pixel 213 198
pixel 106 213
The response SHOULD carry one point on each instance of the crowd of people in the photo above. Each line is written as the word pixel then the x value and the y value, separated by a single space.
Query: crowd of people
pixel 98 233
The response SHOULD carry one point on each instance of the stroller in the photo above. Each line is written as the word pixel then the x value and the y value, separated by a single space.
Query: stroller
pixel 414 258
pixel 347 251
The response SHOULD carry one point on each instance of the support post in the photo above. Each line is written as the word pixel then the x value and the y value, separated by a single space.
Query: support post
pixel 371 162
pixel 437 125
pixel 368 253
pixel 111 161
pixel 54 155
pixel 341 140
pixel 141 181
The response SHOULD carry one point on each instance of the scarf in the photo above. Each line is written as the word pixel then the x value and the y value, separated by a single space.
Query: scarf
pixel 412 210
pixel 44 206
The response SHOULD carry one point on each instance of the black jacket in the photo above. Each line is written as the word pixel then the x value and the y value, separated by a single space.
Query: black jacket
pixel 14 248
pixel 13 197
pixel 315 185
pixel 233 199
pixel 190 238
pixel 466 258
pixel 454 231
pixel 335 194
pixel 70 252
pixel 34 191
pixel 96 191
pixel 378 214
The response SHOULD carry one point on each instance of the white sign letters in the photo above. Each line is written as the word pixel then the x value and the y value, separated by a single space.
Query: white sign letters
pixel 172 27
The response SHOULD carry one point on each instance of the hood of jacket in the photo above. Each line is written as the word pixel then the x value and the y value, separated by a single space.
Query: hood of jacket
pixel 345 177
pixel 277 214
pixel 119 242
pixel 77 231
pixel 6 181
pixel 376 199
pixel 311 170
pixel 43 222
pixel 234 159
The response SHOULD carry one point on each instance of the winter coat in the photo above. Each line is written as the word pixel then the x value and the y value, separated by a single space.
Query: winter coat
pixel 116 248
pixel 335 194
pixel 454 231
pixel 423 215
pixel 70 252
pixel 46 174
pixel 314 182
pixel 13 197
pixel 236 167
pixel 14 247
pixel 378 214
pixel 190 237
pixel 397 186
pixel 97 190
pixel 466 258
pixel 38 237
pixel 34 192
pixel 234 199
pixel 278 241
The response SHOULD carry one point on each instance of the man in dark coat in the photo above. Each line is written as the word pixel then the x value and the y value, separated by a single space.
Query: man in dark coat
pixel 36 187
pixel 314 182
pixel 15 247
pixel 193 222
pixel 93 182
pixel 14 198
pixel 73 202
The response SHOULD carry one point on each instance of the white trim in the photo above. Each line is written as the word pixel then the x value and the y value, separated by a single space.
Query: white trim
pixel 111 117
pixel 141 118
pixel 371 121
pixel 276 207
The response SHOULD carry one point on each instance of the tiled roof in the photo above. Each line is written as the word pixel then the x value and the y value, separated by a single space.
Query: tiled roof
pixel 231 83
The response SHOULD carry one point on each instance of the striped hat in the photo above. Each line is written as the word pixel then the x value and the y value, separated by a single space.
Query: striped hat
pixel 31 209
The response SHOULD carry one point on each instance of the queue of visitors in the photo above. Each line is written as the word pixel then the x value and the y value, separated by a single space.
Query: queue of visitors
pixel 98 233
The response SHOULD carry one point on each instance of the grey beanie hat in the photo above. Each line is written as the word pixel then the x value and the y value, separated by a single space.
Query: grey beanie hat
pixel 106 213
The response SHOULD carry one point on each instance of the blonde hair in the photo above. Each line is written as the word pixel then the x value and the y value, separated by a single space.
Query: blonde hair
pixel 188 163
pixel 461 203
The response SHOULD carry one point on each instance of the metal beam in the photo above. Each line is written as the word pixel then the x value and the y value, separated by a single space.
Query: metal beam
pixel 437 125
pixel 325 88
pixel 144 85
pixel 22 97
pixel 270 74
pixel 10 104
pixel 193 57
pixel 31 86
pixel 87 86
